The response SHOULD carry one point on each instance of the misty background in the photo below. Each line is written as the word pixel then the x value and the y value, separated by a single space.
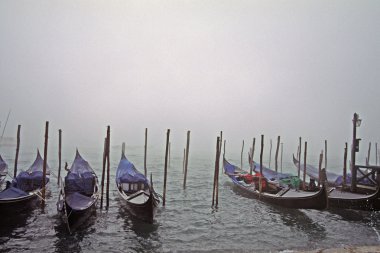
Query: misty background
pixel 288 68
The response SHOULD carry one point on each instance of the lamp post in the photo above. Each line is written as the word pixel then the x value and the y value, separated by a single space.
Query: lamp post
pixel 355 148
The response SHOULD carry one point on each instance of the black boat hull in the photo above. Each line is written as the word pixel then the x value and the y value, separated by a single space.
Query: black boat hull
pixel 144 211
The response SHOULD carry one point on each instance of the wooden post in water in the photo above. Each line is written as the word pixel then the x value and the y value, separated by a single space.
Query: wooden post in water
pixel 326 157
pixel 166 167
pixel 344 167
pixel 354 149
pixel 108 166
pixel 145 150
pixel 17 150
pixel 103 172
pixel 299 159
pixel 183 161
pixel 43 191
pixel 320 169
pixel 169 155
pixel 304 168
pixel 276 156
pixel 261 162
pixel 376 152
pixel 224 149
pixel 186 159
pixel 215 187
pixel 59 155
pixel 369 153
pixel 253 152
pixel 241 156
pixel 270 152
pixel 217 171
pixel 282 150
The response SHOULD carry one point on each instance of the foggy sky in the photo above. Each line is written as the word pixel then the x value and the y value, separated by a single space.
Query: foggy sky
pixel 289 68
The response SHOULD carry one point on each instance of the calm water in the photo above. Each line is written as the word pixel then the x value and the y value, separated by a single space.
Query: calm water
pixel 187 223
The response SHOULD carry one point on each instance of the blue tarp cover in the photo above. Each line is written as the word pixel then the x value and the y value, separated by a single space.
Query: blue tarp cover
pixel 32 178
pixel 12 192
pixel 81 177
pixel 127 173
pixel 271 174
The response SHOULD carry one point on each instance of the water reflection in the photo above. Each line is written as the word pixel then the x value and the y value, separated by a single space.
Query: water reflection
pixel 145 233
pixel 67 242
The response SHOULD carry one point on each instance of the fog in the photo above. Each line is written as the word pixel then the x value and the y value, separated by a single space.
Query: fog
pixel 288 68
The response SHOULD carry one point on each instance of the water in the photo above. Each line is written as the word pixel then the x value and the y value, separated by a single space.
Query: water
pixel 187 223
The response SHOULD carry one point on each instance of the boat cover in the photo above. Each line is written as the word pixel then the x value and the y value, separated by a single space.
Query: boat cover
pixel 12 192
pixel 332 178
pixel 3 167
pixel 81 177
pixel 127 173
pixel 32 178
pixel 79 201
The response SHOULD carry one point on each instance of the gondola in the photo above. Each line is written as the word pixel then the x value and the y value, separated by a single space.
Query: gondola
pixel 282 196
pixel 3 170
pixel 135 191
pixel 79 194
pixel 24 188
pixel 339 198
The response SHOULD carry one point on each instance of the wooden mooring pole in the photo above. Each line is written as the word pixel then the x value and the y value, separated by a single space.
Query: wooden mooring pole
pixel 299 158
pixel 252 153
pixel 270 152
pixel 354 149
pixel 282 150
pixel 326 156
pixel 145 150
pixel 320 169
pixel 215 185
pixel 17 150
pixel 103 172
pixel 186 159
pixel 59 155
pixel 241 156
pixel 304 167
pixel 108 166
pixel 345 167
pixel 43 191
pixel 276 156
pixel 261 162
pixel 376 153
pixel 369 153
pixel 166 166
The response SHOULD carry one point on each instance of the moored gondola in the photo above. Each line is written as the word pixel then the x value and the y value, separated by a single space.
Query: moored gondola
pixel 344 198
pixel 135 191
pixel 282 196
pixel 79 193
pixel 24 188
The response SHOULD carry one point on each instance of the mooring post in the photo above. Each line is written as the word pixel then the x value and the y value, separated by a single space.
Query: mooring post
pixel 43 191
pixel 299 159
pixel 369 153
pixel 282 150
pixel 261 162
pixel 217 172
pixel 186 159
pixel 241 156
pixel 345 167
pixel 320 169
pixel 214 188
pixel 145 150
pixel 17 150
pixel 108 166
pixel 103 172
pixel 270 152
pixel 376 152
pixel 59 155
pixel 326 156
pixel 276 156
pixel 166 166
pixel 304 167
pixel 252 153
pixel 355 148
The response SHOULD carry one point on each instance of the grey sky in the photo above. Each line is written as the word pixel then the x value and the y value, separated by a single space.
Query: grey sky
pixel 289 68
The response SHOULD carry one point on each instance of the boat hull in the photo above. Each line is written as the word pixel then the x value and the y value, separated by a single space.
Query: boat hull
pixel 144 211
